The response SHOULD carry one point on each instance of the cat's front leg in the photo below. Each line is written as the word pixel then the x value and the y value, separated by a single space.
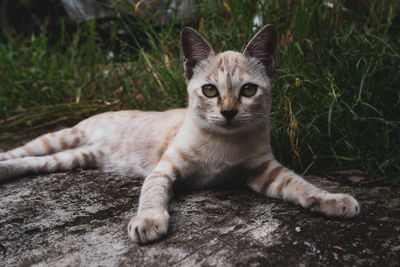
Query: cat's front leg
pixel 279 182
pixel 151 220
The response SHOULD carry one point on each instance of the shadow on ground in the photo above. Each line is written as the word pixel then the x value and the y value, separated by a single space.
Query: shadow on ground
pixel 79 218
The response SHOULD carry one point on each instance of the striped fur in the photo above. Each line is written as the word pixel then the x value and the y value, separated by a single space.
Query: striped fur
pixel 197 147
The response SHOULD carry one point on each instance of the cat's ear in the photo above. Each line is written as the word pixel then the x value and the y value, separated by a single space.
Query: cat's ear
pixel 262 47
pixel 194 48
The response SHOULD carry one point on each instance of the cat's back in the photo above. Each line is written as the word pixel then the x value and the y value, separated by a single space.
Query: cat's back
pixel 126 118
pixel 110 126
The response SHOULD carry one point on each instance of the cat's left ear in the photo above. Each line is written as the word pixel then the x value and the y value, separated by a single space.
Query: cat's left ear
pixel 262 47
pixel 194 48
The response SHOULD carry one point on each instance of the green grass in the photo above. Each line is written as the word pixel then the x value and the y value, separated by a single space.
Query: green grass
pixel 336 90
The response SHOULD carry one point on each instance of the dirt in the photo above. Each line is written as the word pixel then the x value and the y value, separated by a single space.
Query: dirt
pixel 79 218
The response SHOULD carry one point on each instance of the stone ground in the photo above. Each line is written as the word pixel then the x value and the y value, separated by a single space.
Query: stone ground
pixel 79 218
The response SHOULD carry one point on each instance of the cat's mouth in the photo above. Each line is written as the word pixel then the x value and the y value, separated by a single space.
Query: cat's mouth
pixel 228 124
pixel 220 125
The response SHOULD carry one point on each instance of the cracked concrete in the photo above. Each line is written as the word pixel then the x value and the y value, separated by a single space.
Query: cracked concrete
pixel 79 218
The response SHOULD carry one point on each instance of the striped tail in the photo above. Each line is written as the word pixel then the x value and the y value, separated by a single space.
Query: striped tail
pixel 48 144
pixel 84 157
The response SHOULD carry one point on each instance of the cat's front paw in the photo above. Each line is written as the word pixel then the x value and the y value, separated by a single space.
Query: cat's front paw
pixel 334 205
pixel 148 225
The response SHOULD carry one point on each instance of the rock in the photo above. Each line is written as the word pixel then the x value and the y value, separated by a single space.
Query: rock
pixel 79 218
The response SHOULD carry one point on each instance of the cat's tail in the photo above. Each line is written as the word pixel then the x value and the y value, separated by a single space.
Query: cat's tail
pixel 48 144
pixel 83 157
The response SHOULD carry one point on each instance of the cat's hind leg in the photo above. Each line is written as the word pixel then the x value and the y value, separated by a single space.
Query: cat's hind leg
pixel 84 157
pixel 48 144
pixel 279 182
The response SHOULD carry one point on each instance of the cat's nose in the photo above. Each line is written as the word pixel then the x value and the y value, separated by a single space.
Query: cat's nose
pixel 229 113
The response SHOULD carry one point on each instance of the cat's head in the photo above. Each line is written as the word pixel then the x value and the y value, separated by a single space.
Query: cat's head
pixel 229 92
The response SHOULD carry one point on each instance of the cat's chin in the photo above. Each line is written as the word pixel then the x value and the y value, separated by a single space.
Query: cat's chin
pixel 225 129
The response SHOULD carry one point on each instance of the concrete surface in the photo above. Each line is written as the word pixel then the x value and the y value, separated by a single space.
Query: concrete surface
pixel 79 218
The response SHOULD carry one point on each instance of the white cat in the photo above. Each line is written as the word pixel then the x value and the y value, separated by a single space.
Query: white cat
pixel 222 137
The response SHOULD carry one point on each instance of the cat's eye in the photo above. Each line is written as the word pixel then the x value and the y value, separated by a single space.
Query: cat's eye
pixel 248 90
pixel 210 90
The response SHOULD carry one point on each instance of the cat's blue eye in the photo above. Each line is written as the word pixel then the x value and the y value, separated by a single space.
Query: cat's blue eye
pixel 210 90
pixel 248 90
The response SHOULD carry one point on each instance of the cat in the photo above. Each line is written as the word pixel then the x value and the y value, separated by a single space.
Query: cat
pixel 222 137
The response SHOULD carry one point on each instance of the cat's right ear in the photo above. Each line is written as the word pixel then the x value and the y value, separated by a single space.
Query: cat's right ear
pixel 194 48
